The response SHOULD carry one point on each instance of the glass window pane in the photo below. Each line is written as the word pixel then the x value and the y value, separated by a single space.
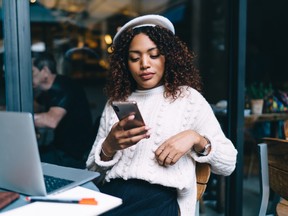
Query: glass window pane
pixel 2 77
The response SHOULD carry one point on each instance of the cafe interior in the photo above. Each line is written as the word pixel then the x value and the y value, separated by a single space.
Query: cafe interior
pixel 241 49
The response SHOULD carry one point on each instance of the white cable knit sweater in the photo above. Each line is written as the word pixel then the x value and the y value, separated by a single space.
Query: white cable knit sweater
pixel 166 118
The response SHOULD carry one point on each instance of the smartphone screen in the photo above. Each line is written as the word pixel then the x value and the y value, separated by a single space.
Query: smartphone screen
pixel 124 109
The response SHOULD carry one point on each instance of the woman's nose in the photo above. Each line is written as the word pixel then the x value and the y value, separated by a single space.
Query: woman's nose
pixel 145 63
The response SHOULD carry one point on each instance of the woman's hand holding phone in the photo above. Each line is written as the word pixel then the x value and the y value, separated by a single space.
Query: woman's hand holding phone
pixel 125 133
pixel 125 109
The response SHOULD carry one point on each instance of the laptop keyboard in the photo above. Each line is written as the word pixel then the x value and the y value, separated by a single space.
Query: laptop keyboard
pixel 53 183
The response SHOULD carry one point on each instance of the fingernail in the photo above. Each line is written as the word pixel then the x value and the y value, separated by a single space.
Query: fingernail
pixel 131 117
pixel 147 128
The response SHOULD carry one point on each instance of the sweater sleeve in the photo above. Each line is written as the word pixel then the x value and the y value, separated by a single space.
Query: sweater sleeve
pixel 223 154
pixel 94 161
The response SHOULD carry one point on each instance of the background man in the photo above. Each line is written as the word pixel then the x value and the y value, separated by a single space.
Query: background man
pixel 62 105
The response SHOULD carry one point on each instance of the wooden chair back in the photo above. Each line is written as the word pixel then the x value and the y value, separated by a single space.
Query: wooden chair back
pixel 285 129
pixel 282 208
pixel 278 165
pixel 203 171
pixel 277 171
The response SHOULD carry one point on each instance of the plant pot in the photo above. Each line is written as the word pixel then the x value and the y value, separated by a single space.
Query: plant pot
pixel 257 106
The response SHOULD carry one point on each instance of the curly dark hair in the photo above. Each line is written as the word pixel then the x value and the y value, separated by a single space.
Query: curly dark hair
pixel 179 64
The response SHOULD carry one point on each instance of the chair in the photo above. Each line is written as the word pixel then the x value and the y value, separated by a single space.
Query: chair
pixel 203 171
pixel 273 153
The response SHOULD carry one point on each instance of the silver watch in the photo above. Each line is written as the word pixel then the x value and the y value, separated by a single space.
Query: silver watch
pixel 205 151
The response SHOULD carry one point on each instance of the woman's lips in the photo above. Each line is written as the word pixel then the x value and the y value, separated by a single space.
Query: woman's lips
pixel 147 76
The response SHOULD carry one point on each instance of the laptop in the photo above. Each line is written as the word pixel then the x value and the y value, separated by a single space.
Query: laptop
pixel 20 167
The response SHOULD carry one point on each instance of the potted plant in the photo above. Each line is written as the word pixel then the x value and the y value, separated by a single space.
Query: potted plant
pixel 257 92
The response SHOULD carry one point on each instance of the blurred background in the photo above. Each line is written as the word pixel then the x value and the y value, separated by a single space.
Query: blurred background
pixel 79 33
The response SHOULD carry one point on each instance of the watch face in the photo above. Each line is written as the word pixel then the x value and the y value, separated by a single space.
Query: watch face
pixel 205 152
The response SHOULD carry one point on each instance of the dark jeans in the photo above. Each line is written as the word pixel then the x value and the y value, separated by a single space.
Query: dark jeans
pixel 140 198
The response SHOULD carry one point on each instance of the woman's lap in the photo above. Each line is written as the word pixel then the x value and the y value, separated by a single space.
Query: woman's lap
pixel 141 198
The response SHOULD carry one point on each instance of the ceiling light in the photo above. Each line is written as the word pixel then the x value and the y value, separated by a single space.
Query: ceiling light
pixel 108 39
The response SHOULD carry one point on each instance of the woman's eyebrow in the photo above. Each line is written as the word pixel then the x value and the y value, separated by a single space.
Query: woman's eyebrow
pixel 137 51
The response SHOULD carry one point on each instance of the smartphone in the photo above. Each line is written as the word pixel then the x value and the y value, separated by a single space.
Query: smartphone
pixel 126 108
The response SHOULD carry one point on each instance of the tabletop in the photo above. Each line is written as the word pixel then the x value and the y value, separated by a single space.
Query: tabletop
pixel 271 117
pixel 22 201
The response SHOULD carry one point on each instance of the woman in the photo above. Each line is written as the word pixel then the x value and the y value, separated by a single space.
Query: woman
pixel 152 168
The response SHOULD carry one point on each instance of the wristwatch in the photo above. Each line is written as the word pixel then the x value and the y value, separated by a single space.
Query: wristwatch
pixel 205 151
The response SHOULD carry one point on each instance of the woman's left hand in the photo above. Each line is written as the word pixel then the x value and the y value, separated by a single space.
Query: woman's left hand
pixel 176 146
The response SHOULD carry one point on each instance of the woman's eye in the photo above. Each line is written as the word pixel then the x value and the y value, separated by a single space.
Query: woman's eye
pixel 155 56
pixel 133 59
